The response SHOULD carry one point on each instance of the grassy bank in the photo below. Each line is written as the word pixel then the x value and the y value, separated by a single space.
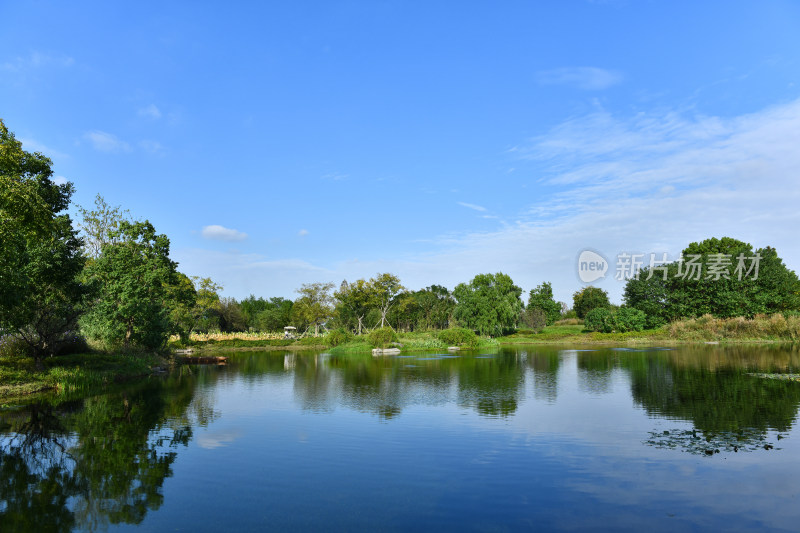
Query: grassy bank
pixel 71 373
pixel 764 329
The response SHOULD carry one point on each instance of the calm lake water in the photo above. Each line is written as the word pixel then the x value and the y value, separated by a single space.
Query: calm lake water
pixel 524 438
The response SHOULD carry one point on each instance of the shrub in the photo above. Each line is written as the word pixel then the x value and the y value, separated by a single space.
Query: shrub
pixel 630 319
pixel 382 337
pixel 310 341
pixel 574 321
pixel 599 319
pixel 337 337
pixel 13 346
pixel 458 336
pixel 533 318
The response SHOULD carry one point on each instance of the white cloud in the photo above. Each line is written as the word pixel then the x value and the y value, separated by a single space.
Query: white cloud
pixel 37 60
pixel 472 206
pixel 33 146
pixel 302 232
pixel 221 233
pixel 335 176
pixel 150 111
pixel 60 180
pixel 106 142
pixel 152 147
pixel 587 78
pixel 646 183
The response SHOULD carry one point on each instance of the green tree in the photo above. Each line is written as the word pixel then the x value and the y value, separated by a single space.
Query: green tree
pixel 41 297
pixel 385 287
pixel 207 305
pixel 134 275
pixel 314 307
pixel 490 303
pixel 276 316
pixel 542 298
pixel 436 306
pixel 589 298
pixel 353 302
pixel 717 277
pixel 100 226
pixel 231 317
pixel 182 300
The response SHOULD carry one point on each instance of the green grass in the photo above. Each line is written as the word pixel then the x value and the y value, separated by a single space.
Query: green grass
pixel 71 373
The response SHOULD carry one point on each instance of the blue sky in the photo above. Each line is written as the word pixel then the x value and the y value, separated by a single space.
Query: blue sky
pixel 285 143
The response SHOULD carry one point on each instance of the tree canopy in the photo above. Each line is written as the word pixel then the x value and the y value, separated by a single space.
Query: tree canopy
pixel 589 298
pixel 541 297
pixel 722 277
pixel 490 303
pixel 134 273
pixel 41 296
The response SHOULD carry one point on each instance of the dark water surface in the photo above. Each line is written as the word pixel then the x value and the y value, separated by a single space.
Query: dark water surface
pixel 525 438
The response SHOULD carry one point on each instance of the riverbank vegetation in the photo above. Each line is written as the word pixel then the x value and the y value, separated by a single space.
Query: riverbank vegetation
pixel 108 282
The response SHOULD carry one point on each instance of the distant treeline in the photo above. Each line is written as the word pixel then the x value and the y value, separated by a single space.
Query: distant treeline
pixel 110 280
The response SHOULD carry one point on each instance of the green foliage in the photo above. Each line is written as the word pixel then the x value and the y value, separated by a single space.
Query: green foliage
pixel 589 298
pixel 629 319
pixel 353 302
pixel 542 298
pixel 231 318
pixel 134 275
pixel 459 337
pixel 534 319
pixel 314 305
pixel 41 297
pixel 311 341
pixel 101 226
pixel 182 299
pixel 382 337
pixel 490 304
pixel 337 337
pixel 600 319
pixel 385 287
pixel 679 290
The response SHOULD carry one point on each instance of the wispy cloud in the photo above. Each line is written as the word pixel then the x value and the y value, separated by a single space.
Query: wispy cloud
pixel 153 147
pixel 150 111
pixel 302 232
pixel 37 60
pixel 586 78
pixel 335 176
pixel 32 145
pixel 643 183
pixel 60 180
pixel 106 142
pixel 472 206
pixel 221 233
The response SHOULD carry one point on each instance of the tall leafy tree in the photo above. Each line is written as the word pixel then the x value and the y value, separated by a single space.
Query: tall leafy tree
pixel 41 296
pixel 134 273
pixel 385 287
pixel 490 303
pixel 712 279
pixel 314 306
pixel 436 305
pixel 541 298
pixel 100 225
pixel 353 302
pixel 589 298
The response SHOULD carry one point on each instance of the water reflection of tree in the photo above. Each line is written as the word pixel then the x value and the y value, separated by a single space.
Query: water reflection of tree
pixel 544 362
pixel 108 459
pixel 386 385
pixel 493 386
pixel 595 370
pixel 730 409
